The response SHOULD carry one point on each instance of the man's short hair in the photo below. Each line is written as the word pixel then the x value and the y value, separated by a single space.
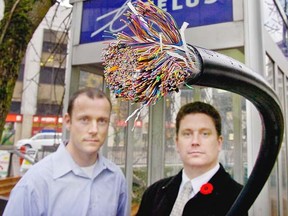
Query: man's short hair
pixel 199 107
pixel 89 92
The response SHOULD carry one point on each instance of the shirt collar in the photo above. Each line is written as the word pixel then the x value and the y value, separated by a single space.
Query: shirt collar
pixel 200 180
pixel 64 163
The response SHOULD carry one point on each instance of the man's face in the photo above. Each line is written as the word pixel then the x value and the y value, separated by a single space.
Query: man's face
pixel 197 143
pixel 88 125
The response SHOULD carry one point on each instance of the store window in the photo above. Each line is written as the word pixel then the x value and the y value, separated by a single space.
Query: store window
pixel 117 130
pixel 282 158
pixel 269 71
pixel 8 134
pixel 269 75
pixel 121 138
pixel 88 79
pixel 275 23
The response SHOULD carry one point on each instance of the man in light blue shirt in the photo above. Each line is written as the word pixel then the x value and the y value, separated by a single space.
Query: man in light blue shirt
pixel 76 179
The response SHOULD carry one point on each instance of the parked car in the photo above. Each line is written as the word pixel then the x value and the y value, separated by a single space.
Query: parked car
pixel 40 139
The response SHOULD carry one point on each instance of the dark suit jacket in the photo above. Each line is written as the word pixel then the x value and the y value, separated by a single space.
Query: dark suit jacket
pixel 159 198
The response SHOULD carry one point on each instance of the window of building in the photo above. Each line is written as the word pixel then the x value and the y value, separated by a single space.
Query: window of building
pixel 52 47
pixel 52 76
pixel 52 73
pixel 15 107
pixel 49 109
pixel 55 36
pixel 21 73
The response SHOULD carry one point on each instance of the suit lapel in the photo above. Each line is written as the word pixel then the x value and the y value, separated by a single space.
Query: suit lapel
pixel 170 192
pixel 203 204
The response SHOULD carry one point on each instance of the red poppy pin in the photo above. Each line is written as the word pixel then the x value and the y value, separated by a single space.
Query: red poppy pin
pixel 206 189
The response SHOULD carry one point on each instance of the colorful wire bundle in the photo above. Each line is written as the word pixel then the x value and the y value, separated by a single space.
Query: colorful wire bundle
pixel 152 64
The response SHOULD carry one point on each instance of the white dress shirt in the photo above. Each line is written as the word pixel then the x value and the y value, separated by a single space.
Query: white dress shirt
pixel 198 181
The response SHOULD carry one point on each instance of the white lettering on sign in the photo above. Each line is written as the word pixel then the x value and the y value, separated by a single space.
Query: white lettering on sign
pixel 210 1
pixel 177 6
pixel 192 3
pixel 48 119
pixel 118 12
pixel 18 118
pixel 160 3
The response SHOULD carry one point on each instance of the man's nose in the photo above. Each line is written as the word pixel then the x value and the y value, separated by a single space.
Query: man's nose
pixel 93 127
pixel 195 139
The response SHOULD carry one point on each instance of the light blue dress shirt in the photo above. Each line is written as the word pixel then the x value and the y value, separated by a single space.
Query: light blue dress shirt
pixel 57 186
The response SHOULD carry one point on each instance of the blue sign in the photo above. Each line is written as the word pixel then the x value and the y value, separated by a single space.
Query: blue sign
pixel 105 15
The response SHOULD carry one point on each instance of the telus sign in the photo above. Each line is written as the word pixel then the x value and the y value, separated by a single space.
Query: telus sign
pixel 105 15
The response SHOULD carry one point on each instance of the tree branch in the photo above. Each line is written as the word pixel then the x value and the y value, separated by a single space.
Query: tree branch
pixel 8 21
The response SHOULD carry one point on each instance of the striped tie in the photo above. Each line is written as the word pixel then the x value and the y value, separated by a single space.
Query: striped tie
pixel 182 199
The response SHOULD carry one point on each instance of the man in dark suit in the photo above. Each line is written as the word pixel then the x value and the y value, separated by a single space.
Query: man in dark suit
pixel 211 190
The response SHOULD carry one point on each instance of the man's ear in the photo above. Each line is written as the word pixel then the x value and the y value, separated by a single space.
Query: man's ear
pixel 176 143
pixel 67 121
pixel 220 142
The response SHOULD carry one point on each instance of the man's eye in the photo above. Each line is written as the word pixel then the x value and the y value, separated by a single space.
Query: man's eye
pixel 205 133
pixel 84 120
pixel 103 121
pixel 186 134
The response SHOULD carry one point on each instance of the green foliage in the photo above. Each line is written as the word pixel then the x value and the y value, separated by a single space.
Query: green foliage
pixel 16 36
pixel 138 189
pixel 21 18
pixel 140 173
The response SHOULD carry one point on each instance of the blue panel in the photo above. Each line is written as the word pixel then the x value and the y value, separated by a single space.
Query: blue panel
pixel 100 15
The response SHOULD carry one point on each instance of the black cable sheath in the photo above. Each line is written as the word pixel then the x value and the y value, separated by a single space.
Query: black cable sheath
pixel 222 72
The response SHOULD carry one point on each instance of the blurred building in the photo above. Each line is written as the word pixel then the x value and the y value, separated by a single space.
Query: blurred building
pixel 38 96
